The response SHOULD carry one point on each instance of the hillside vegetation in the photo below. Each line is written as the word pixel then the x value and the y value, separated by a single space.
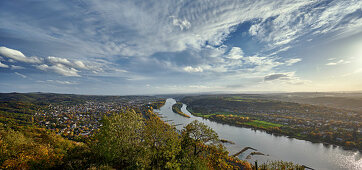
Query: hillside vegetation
pixel 129 138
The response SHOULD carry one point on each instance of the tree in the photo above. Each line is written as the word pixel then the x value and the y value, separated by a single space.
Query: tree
pixel 119 141
pixel 199 134
pixel 163 143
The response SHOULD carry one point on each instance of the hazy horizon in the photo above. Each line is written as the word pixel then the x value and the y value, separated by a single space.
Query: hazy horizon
pixel 171 47
pixel 195 93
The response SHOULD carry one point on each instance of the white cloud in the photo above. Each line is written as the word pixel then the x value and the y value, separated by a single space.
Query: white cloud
pixel 14 67
pixel 56 60
pixel 63 82
pixel 306 19
pixel 58 65
pixel 182 24
pixel 292 61
pixel 76 64
pixel 280 50
pixel 338 62
pixel 3 65
pixel 17 55
pixel 21 75
pixel 235 53
pixel 331 16
pixel 149 23
pixel 144 31
pixel 80 64
pixel 60 69
pixel 193 69
pixel 234 62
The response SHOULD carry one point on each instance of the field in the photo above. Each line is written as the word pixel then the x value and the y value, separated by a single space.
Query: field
pixel 263 124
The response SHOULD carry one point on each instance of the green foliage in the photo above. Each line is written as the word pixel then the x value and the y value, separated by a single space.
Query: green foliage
pixel 201 150
pixel 200 132
pixel 281 165
pixel 162 142
pixel 119 141
pixel 127 141
pixel 157 104
pixel 263 124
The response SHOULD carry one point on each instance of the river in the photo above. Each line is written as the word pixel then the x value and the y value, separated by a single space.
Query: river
pixel 314 155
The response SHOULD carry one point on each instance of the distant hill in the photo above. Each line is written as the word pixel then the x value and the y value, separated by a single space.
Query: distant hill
pixel 47 98
pixel 349 101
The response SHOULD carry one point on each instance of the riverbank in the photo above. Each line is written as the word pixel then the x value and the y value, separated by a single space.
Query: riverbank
pixel 177 109
pixel 278 147
pixel 268 127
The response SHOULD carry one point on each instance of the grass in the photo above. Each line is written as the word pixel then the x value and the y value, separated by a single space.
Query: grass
pixel 263 124
pixel 199 115
pixel 255 123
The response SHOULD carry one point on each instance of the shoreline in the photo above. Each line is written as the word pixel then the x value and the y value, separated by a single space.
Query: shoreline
pixel 275 133
pixel 177 109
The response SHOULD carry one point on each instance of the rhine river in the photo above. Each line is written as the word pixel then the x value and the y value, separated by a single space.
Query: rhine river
pixel 314 155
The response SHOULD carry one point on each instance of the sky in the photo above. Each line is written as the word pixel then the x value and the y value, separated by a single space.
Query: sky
pixel 180 46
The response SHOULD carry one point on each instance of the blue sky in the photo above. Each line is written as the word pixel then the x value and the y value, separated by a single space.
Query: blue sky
pixel 165 46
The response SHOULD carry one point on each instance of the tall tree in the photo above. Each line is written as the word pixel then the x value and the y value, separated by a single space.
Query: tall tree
pixel 119 141
pixel 200 134
pixel 163 143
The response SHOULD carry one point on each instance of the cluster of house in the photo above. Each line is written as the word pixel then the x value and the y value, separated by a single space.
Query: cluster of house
pixel 82 119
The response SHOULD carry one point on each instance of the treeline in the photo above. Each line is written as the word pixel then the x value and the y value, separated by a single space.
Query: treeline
pixel 156 105
pixel 67 99
pixel 177 109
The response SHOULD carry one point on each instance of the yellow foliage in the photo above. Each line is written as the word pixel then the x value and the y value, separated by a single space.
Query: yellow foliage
pixel 29 148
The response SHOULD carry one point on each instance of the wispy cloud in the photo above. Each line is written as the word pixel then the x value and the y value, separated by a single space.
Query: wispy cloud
pixel 152 42
pixel 21 75
pixel 2 65
pixel 276 76
pixel 63 82
pixel 309 18
pixel 338 62
pixel 292 61
pixel 60 69
pixel 14 67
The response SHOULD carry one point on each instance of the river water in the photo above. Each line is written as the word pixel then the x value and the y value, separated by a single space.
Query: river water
pixel 314 155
